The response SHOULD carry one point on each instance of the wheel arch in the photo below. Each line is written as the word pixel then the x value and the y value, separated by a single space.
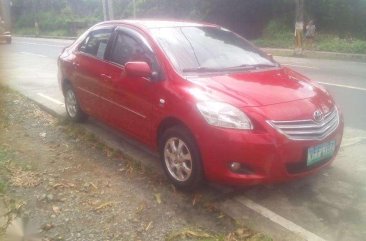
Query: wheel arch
pixel 169 122
pixel 64 83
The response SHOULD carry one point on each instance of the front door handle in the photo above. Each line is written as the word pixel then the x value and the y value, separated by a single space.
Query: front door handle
pixel 106 76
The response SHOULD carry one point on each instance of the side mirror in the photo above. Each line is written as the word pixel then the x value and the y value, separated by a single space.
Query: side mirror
pixel 138 69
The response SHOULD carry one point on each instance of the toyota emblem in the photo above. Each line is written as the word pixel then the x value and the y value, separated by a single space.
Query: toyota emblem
pixel 318 116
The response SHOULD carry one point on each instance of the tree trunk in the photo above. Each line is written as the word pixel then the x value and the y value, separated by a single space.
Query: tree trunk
pixel 299 26
pixel 108 10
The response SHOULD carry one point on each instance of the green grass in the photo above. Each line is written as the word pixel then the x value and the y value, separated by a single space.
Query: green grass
pixel 283 41
pixel 277 35
pixel 32 32
pixel 332 43
pixel 323 42
pixel 25 31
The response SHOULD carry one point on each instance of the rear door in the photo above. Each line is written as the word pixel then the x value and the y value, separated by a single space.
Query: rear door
pixel 89 64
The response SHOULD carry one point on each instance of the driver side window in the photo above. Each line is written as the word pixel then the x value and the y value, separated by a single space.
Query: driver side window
pixel 127 49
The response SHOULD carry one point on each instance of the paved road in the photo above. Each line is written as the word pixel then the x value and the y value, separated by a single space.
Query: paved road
pixel 345 80
pixel 329 206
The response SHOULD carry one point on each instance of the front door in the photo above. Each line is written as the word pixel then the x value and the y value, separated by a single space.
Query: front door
pixel 131 98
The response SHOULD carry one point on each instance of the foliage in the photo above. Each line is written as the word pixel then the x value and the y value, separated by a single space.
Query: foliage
pixel 59 16
pixel 323 42
pixel 334 43
pixel 276 35
pixel 251 18
pixel 343 17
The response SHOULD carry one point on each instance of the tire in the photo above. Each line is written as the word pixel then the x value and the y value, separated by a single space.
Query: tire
pixel 180 158
pixel 72 106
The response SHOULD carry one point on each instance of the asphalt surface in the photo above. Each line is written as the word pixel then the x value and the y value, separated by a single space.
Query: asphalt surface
pixel 328 206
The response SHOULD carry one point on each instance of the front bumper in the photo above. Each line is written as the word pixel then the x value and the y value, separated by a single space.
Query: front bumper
pixel 5 36
pixel 268 155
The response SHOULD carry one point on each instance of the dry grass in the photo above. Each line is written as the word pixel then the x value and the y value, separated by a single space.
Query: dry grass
pixel 22 178
pixel 240 234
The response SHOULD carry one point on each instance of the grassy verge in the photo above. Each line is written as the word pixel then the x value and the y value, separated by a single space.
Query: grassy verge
pixel 323 42
pixel 3 172
pixel 54 33
pixel 240 233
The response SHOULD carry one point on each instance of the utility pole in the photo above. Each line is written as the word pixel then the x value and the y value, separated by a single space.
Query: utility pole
pixel 108 10
pixel 299 27
pixel 134 8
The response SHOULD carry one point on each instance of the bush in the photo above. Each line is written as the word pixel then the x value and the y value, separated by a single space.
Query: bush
pixel 333 43
pixel 276 35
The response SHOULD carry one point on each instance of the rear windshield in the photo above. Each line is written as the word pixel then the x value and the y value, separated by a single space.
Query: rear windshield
pixel 208 48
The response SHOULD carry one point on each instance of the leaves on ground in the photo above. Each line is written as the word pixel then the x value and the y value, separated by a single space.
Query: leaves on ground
pixel 158 197
pixel 104 205
pixel 191 234
pixel 23 178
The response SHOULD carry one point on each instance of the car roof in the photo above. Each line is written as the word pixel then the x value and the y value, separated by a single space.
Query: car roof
pixel 153 23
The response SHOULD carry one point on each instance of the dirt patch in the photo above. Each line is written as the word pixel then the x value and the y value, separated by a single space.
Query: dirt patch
pixel 59 183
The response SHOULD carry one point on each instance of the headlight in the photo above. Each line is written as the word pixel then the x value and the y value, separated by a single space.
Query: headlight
pixel 224 115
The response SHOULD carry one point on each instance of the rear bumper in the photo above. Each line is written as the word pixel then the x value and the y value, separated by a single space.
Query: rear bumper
pixel 268 156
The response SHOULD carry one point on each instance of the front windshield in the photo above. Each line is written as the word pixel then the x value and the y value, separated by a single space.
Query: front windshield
pixel 208 48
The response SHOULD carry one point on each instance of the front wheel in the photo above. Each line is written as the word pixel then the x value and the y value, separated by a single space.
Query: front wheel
pixel 180 158
pixel 72 106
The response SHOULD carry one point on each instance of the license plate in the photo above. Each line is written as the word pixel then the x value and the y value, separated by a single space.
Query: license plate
pixel 320 152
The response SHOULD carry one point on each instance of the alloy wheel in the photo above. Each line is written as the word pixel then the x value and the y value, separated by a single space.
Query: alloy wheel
pixel 178 159
pixel 71 103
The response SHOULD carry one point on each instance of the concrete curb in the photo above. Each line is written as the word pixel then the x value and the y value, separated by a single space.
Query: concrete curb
pixel 317 54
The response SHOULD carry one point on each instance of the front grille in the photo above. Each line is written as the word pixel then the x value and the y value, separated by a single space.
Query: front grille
pixel 308 129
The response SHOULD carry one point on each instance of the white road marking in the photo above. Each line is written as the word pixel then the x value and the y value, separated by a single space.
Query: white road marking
pixel 309 236
pixel 38 55
pixel 344 86
pixel 51 99
pixel 48 45
pixel 301 66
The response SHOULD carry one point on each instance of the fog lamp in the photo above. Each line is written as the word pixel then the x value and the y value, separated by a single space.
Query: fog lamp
pixel 235 166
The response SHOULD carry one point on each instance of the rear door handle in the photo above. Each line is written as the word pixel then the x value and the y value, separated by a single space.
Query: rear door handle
pixel 106 76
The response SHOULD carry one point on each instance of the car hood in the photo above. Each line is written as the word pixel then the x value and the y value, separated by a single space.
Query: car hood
pixel 258 88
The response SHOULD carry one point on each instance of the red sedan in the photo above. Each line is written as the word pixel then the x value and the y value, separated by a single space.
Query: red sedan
pixel 213 105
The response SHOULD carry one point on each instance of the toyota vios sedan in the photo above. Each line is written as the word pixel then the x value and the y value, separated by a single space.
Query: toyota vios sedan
pixel 213 105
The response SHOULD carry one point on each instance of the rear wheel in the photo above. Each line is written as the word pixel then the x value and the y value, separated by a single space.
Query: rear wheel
pixel 72 106
pixel 180 158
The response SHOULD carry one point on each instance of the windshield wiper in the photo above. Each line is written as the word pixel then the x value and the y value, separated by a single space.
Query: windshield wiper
pixel 253 66
pixel 202 69
pixel 239 67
